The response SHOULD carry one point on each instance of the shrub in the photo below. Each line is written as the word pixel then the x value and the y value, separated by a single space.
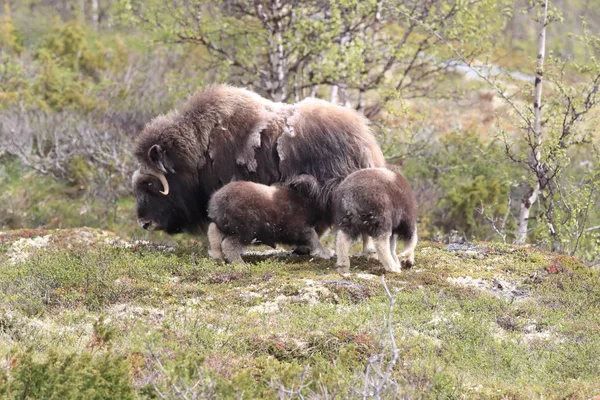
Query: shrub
pixel 72 376
pixel 9 39
pixel 462 184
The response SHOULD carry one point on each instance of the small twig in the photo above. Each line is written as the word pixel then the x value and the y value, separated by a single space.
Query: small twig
pixel 593 228
pixel 374 386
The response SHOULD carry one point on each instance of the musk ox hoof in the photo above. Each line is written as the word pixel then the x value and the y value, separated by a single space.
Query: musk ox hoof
pixel 342 269
pixel 407 264
pixel 369 249
pixel 216 256
pixel 324 253
pixel 238 262
pixel 301 251
pixel 372 255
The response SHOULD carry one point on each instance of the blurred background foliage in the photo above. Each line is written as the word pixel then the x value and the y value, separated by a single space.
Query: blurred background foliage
pixel 80 78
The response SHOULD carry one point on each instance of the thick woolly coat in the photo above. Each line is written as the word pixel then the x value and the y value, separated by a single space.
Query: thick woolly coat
pixel 225 134
pixel 375 202
pixel 252 212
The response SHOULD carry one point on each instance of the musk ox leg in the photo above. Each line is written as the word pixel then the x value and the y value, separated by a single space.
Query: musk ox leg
pixel 316 248
pixel 393 243
pixel 382 246
pixel 321 228
pixel 232 250
pixel 342 248
pixel 301 250
pixel 368 246
pixel 215 238
pixel 408 253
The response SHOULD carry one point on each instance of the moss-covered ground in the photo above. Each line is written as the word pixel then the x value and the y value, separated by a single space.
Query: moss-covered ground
pixel 84 314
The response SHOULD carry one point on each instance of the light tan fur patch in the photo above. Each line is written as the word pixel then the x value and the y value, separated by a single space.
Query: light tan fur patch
pixel 267 191
pixel 387 174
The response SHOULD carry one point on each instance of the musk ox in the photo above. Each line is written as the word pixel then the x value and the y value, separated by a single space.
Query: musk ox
pixel 246 212
pixel 224 134
pixel 378 202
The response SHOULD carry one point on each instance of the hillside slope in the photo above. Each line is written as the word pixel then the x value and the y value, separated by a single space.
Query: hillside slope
pixel 84 314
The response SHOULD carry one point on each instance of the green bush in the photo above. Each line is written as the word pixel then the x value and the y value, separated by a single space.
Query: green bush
pixel 468 200
pixel 470 181
pixel 67 68
pixel 9 36
pixel 73 376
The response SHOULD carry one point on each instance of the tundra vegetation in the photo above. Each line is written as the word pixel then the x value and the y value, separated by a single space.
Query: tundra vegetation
pixel 450 89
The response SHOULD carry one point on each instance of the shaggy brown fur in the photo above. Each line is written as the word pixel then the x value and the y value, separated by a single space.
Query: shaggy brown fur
pixel 378 202
pixel 248 212
pixel 225 133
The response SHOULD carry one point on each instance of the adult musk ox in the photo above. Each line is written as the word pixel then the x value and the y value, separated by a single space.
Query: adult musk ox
pixel 378 202
pixel 224 134
pixel 245 212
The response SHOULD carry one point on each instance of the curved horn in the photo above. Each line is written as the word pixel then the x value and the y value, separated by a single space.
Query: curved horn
pixel 135 177
pixel 163 180
pixel 161 177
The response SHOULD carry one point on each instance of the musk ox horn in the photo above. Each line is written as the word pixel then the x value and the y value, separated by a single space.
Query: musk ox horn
pixel 161 177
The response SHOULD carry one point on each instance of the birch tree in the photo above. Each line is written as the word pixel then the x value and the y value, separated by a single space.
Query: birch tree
pixel 95 14
pixel 554 207
pixel 340 50
pixel 535 136
pixel 562 124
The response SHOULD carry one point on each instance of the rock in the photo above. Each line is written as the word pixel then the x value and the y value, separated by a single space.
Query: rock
pixel 354 291
pixel 497 287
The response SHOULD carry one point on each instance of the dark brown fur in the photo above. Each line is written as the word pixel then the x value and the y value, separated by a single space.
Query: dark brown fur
pixel 248 212
pixel 225 133
pixel 378 202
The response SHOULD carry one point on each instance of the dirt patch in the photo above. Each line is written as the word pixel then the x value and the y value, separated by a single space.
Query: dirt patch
pixel 311 294
pixel 497 287
pixel 8 237
pixel 128 312
pixel 355 292
pixel 21 249
pixel 225 277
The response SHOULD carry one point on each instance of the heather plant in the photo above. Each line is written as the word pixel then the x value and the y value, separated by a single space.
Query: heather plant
pixel 84 313
pixel 72 376
pixel 9 36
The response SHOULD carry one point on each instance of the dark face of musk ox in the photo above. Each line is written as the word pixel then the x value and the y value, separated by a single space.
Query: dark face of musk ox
pixel 162 198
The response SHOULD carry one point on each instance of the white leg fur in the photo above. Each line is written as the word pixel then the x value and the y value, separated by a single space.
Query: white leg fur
pixel 215 237
pixel 317 249
pixel 342 249
pixel 393 243
pixel 408 253
pixel 232 250
pixel 368 246
pixel 382 245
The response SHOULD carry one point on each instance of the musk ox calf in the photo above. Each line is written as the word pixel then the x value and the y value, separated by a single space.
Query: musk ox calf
pixel 226 134
pixel 247 212
pixel 378 202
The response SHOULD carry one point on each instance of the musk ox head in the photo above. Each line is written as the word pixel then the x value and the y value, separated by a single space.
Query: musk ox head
pixel 225 133
pixel 163 199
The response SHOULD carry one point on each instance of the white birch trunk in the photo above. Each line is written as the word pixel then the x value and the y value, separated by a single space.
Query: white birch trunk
pixel 333 94
pixel 278 59
pixel 95 16
pixel 361 101
pixel 345 97
pixel 82 10
pixel 532 196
